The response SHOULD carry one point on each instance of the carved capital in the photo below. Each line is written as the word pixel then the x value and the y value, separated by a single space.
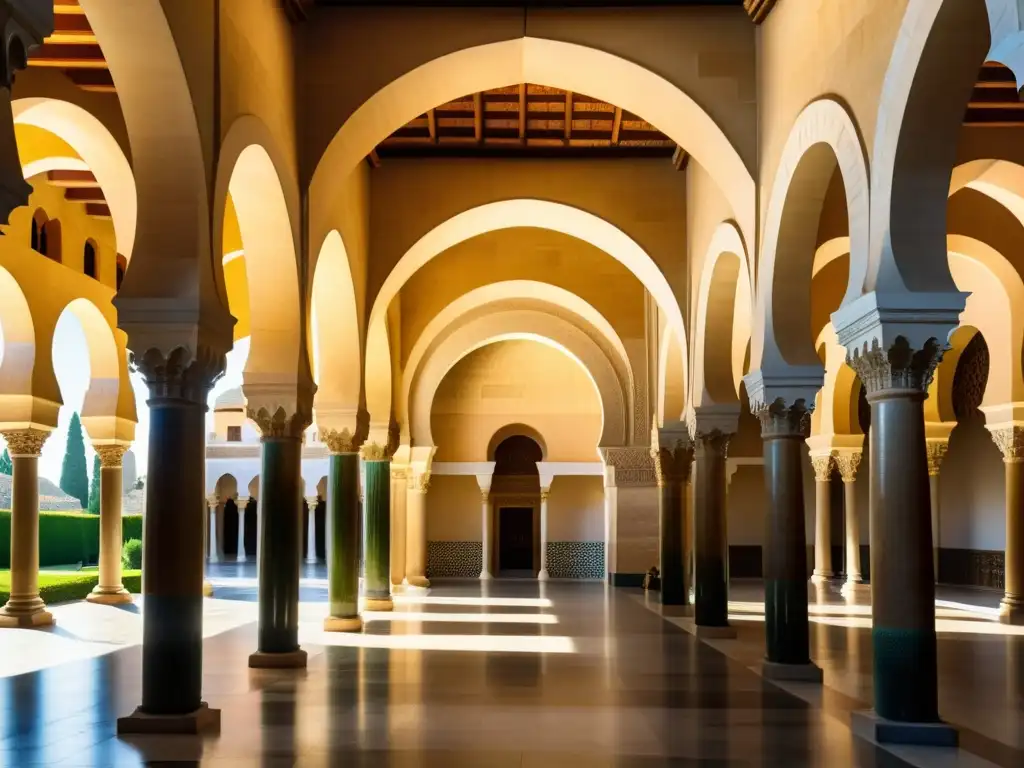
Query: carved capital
pixel 823 464
pixel 899 368
pixel 400 473
pixel 181 375
pixel 373 452
pixel 25 442
pixel 758 10
pixel 419 483
pixel 779 419
pixel 485 495
pixel 672 464
pixel 279 423
pixel 847 462
pixel 1010 442
pixel 111 455
pixel 212 501
pixel 936 450
pixel 544 493
pixel 339 442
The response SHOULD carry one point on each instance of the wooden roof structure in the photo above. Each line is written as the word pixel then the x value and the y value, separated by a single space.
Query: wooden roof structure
pixel 73 48
pixel 995 101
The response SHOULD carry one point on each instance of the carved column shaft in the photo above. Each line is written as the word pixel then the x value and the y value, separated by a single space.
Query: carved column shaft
pixel 343 540
pixel 1010 440
pixel 672 465
pixel 110 589
pixel 711 542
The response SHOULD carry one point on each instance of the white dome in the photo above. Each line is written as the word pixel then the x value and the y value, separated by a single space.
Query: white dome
pixel 230 400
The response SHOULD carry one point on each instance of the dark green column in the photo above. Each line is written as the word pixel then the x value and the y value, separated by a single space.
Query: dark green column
pixel 672 461
pixel 711 543
pixel 783 430
pixel 377 529
pixel 902 572
pixel 172 621
pixel 342 534
pixel 282 509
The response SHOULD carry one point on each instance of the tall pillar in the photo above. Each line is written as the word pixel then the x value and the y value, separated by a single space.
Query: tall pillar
pixel 110 589
pixel 241 505
pixel 936 453
pixel 902 573
pixel 711 542
pixel 416 530
pixel 343 543
pixel 673 458
pixel 377 528
pixel 25 608
pixel 311 504
pixel 485 530
pixel 822 463
pixel 213 503
pixel 847 462
pixel 1010 440
pixel 280 538
pixel 172 552
pixel 399 522
pixel 783 428
pixel 611 511
pixel 542 573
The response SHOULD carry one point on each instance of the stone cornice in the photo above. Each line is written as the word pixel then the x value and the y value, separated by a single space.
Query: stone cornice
pixel 758 10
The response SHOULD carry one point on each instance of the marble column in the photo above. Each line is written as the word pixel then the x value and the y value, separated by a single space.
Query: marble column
pixel 280 538
pixel 25 608
pixel 377 528
pixel 241 505
pixel 485 533
pixel 342 532
pixel 783 429
pixel 673 458
pixel 542 573
pixel 936 453
pixel 711 542
pixel 416 530
pixel 311 505
pixel 110 590
pixel 172 552
pixel 213 503
pixel 847 462
pixel 902 574
pixel 822 464
pixel 611 513
pixel 1010 440
pixel 399 522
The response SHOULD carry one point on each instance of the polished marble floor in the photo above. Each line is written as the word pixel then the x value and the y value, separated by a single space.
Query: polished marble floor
pixel 507 674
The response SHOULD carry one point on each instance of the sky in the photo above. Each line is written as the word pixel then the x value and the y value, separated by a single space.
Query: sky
pixel 71 367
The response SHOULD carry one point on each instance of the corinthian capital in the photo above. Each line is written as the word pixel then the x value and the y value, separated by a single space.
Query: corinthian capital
pixel 782 419
pixel 181 374
pixel 372 451
pixel 111 455
pixel 25 442
pixel 847 462
pixel 280 422
pixel 672 462
pixel 337 441
pixel 823 464
pixel 900 367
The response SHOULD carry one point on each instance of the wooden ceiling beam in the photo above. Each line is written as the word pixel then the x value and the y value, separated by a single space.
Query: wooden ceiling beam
pixel 616 125
pixel 78 55
pixel 568 115
pixel 71 29
pixel 84 195
pixel 522 112
pixel 680 158
pixel 478 116
pixel 373 159
pixel 432 124
pixel 67 8
pixel 72 178
pixel 94 80
pixel 98 210
pixel 758 10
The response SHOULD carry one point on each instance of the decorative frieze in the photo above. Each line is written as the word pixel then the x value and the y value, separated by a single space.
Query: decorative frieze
pixel 634 466
pixel 25 442
pixel 847 462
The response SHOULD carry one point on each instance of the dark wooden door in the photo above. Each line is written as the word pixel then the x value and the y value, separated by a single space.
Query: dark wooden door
pixel 516 536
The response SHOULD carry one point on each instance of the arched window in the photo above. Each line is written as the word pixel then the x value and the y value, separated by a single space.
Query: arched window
pixel 122 266
pixel 89 260
pixel 50 241
pixel 38 239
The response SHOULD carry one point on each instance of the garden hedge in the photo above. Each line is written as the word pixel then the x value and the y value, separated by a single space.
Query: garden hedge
pixel 66 538
pixel 59 587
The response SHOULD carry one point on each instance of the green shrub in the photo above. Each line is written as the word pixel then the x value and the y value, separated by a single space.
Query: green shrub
pixel 60 587
pixel 131 554
pixel 131 527
pixel 66 537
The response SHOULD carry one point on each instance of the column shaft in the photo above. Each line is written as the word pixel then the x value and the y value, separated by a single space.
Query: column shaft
pixel 399 522
pixel 279 550
pixel 485 534
pixel 542 574
pixel 711 544
pixel 416 530
pixel 672 462
pixel 822 518
pixel 847 463
pixel 343 541
pixel 1012 607
pixel 936 450
pixel 25 607
pixel 311 505
pixel 110 589
pixel 215 517
pixel 377 532
pixel 241 505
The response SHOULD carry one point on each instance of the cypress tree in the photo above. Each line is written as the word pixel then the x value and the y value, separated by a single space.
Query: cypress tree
pixel 74 479
pixel 94 487
pixel 6 465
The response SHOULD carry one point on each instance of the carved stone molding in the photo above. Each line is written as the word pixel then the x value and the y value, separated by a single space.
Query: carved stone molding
pixel 373 452
pixel 634 466
pixel 25 442
pixel 1010 442
pixel 339 442
pixel 281 423
pixel 181 375
pixel 419 483
pixel 779 419
pixel 111 455
pixel 758 10
pixel 823 465
pixel 936 450
pixel 672 464
pixel 847 462
pixel 400 473
pixel 901 367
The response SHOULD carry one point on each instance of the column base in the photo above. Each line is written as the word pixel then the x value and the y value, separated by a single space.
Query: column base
pixel 213 560
pixel 241 559
pixel 26 618
pixel 820 578
pixel 288 660
pixel 855 588
pixel 379 604
pixel 485 576
pixel 422 582
pixel 867 724
pixel 343 624
pixel 542 575
pixel 714 633
pixel 1011 611
pixel 311 561
pixel 109 596
pixel 796 673
pixel 203 720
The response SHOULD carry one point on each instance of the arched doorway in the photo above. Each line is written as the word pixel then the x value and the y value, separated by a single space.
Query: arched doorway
pixel 516 492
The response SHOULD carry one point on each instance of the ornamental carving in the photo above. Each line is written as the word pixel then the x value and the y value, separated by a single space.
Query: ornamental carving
pixel 900 368
pixel 544 493
pixel 847 462
pixel 339 441
pixel 823 465
pixel 111 455
pixel 1010 442
pixel 936 450
pixel 672 464
pixel 634 466
pixel 25 442
pixel 373 452
pixel 778 419
pixel 280 424
pixel 180 375
pixel 399 472
pixel 419 483
pixel 485 494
